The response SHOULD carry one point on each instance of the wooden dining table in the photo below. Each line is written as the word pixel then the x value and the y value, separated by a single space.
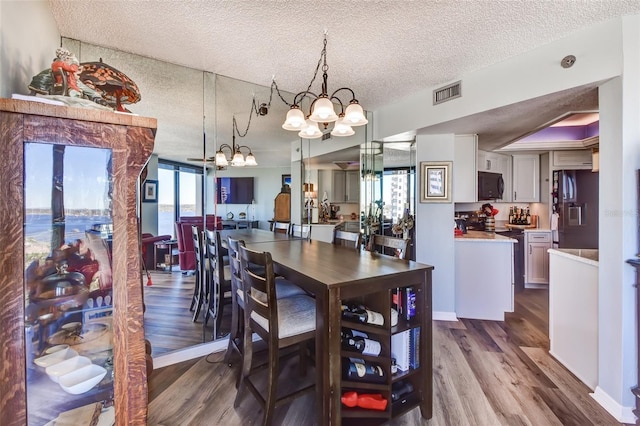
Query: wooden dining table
pixel 332 274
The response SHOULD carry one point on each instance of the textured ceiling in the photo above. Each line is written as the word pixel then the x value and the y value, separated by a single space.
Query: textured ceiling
pixel 384 50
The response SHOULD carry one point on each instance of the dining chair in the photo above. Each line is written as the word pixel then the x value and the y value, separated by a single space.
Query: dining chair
pixel 281 323
pixel 280 227
pixel 284 288
pixel 389 245
pixel 198 299
pixel 347 239
pixel 218 285
pixel 301 231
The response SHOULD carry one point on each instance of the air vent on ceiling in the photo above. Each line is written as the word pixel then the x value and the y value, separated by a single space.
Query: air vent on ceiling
pixel 447 93
pixel 326 136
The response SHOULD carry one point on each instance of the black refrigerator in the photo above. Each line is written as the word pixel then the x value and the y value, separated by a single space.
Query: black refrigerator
pixel 575 198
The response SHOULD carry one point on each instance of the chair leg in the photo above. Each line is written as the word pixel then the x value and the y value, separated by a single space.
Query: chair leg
pixel 233 332
pixel 302 349
pixel 196 290
pixel 272 384
pixel 200 298
pixel 247 359
pixel 218 320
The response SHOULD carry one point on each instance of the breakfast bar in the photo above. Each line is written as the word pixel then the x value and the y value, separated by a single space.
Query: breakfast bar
pixel 334 274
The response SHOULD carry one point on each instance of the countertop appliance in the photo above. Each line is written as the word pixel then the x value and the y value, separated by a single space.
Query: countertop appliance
pixel 490 186
pixel 518 257
pixel 575 199
pixel 473 220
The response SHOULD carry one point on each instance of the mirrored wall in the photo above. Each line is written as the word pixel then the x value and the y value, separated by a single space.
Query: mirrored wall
pixel 199 114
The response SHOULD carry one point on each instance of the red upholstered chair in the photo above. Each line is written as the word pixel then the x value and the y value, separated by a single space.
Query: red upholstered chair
pixel 186 253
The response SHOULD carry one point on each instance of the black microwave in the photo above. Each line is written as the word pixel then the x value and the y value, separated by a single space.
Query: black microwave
pixel 490 186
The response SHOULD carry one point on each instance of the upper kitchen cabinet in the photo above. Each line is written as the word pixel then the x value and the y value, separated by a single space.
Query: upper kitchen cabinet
pixel 497 163
pixel 526 178
pixel 341 186
pixel 465 178
pixel 573 159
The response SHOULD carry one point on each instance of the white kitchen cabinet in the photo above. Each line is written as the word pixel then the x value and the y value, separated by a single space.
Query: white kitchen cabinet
pixel 352 188
pixel 465 178
pixel 536 259
pixel 497 163
pixel 526 178
pixel 574 159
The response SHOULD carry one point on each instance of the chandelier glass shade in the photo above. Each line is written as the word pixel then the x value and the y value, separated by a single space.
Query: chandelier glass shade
pixel 322 109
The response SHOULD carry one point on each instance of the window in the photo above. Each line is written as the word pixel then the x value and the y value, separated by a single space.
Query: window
pixel 179 194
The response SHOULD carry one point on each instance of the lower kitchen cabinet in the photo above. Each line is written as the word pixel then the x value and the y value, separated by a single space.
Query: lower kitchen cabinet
pixel 536 260
pixel 484 276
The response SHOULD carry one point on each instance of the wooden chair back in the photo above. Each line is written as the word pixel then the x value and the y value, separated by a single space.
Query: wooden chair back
pixel 280 227
pixel 197 249
pixel 347 239
pixel 233 247
pixel 389 245
pixel 260 291
pixel 301 231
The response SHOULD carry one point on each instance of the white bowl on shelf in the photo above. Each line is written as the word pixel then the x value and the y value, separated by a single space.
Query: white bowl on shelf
pixel 72 364
pixel 82 380
pixel 55 357
pixel 56 348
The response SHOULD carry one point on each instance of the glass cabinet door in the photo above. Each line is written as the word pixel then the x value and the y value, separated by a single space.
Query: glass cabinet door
pixel 68 232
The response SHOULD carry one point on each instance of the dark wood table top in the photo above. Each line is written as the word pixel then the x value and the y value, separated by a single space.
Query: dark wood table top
pixel 253 236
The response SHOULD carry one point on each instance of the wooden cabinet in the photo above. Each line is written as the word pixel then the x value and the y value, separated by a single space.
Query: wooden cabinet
pixel 536 260
pixel 34 317
pixel 465 176
pixel 411 333
pixel 341 186
pixel 526 178
pixel 574 159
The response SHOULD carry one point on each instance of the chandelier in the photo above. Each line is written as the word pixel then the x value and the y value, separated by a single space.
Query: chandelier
pixel 237 157
pixel 322 109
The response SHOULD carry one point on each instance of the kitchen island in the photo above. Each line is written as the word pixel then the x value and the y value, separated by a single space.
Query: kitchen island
pixel 324 231
pixel 573 311
pixel 484 275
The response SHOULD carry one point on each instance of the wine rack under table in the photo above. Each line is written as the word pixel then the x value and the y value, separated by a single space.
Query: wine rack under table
pixel 382 302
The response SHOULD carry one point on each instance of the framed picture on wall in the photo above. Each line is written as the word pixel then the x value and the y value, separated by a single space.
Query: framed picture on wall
pixel 150 191
pixel 435 181
pixel 286 180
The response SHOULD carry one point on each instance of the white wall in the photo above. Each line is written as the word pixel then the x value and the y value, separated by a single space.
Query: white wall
pixel 28 40
pixel 434 228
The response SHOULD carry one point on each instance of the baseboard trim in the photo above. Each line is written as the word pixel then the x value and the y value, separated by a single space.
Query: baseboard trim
pixel 444 316
pixel 621 413
pixel 191 352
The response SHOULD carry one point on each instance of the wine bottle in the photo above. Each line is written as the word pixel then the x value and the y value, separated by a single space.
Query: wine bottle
pixel 355 343
pixel 528 216
pixel 359 313
pixel 511 215
pixel 358 370
pixel 400 389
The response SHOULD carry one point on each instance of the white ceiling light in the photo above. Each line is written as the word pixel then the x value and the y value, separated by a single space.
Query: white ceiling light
pixel 322 108
pixel 238 159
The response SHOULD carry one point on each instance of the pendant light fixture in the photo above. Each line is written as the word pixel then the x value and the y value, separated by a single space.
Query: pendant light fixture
pixel 322 108
pixel 237 158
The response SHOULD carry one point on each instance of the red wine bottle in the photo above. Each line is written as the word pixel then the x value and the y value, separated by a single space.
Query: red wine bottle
pixel 362 315
pixel 358 370
pixel 355 342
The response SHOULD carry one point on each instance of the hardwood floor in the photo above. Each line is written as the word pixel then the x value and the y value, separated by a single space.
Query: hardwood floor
pixel 484 373
pixel 167 320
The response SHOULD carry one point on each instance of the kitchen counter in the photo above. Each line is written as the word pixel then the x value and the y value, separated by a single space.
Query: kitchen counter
pixel 482 236
pixel 484 275
pixel 573 311
pixel 588 256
